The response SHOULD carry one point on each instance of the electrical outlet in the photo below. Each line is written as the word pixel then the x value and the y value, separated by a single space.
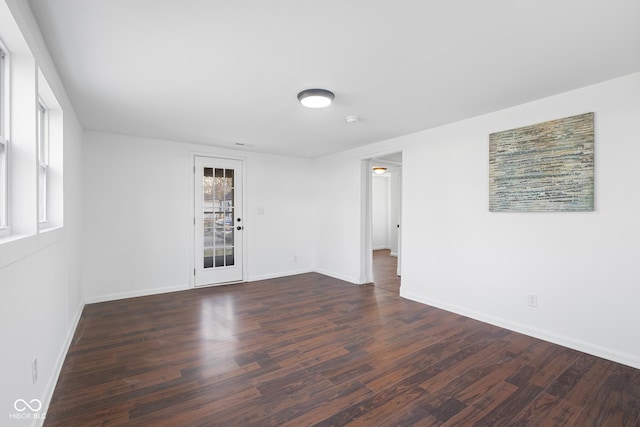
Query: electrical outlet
pixel 34 370
pixel 532 300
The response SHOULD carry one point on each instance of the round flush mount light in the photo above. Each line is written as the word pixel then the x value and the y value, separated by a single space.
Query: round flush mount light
pixel 379 170
pixel 316 98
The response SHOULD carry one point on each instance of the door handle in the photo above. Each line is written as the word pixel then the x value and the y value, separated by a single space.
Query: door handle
pixel 238 228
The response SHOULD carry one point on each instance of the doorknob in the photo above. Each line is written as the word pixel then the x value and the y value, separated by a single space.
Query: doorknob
pixel 238 228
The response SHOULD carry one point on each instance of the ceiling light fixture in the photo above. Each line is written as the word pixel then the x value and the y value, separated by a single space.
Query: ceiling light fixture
pixel 379 170
pixel 315 98
pixel 351 119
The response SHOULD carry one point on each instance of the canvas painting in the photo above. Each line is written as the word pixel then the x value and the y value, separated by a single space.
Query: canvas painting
pixel 547 167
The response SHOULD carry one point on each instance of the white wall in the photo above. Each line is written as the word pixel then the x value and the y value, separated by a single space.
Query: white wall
pixel 139 210
pixel 380 213
pixel 338 239
pixel 40 292
pixel 458 256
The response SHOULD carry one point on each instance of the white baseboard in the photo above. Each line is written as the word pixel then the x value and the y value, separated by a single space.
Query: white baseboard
pixel 156 291
pixel 349 279
pixel 57 368
pixel 585 347
pixel 133 294
pixel 277 275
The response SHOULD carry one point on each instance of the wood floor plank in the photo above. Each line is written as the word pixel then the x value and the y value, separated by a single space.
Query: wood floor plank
pixel 567 380
pixel 504 413
pixel 411 416
pixel 590 382
pixel 548 410
pixel 313 350
pixel 461 375
pixel 387 409
pixel 617 400
pixel 482 405
pixel 311 410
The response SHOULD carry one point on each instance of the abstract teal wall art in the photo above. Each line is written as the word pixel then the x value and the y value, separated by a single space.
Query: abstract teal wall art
pixel 547 167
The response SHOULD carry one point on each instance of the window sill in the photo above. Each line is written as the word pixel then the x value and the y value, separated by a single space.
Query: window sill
pixel 44 227
pixel 17 246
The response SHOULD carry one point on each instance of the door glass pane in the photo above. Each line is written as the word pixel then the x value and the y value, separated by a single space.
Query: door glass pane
pixel 228 227
pixel 207 183
pixel 219 217
pixel 219 258
pixel 219 229
pixel 229 255
pixel 208 258
pixel 208 237
pixel 228 197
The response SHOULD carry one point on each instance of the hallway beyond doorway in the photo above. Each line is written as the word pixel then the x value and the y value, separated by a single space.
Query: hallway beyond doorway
pixel 385 269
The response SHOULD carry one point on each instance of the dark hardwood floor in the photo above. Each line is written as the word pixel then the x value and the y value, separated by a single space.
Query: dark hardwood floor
pixel 385 271
pixel 312 350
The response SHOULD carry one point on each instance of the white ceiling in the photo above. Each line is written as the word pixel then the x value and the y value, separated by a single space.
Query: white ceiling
pixel 221 72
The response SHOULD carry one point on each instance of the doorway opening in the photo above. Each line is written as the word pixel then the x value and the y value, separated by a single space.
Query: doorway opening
pixel 383 201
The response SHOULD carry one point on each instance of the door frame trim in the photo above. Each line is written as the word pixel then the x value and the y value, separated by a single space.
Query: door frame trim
pixel 366 230
pixel 366 207
pixel 192 239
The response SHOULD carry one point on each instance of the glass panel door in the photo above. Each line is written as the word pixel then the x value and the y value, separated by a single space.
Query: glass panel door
pixel 218 237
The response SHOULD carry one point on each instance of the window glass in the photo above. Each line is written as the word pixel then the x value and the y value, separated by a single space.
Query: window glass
pixel 4 143
pixel 2 94
pixel 43 160
pixel 3 184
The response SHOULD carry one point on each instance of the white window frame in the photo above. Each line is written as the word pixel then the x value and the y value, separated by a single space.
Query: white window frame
pixel 4 140
pixel 43 160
